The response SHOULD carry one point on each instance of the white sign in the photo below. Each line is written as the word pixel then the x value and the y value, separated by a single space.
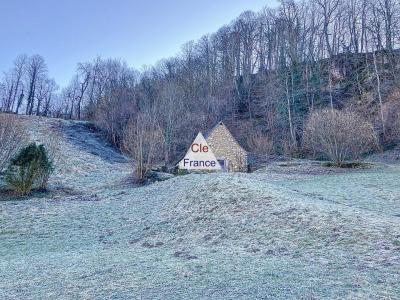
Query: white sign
pixel 199 156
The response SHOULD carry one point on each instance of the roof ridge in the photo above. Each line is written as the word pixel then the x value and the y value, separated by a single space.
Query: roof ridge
pixel 213 128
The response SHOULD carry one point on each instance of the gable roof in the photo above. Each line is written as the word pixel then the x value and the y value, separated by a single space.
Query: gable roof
pixel 220 123
pixel 208 133
pixel 200 155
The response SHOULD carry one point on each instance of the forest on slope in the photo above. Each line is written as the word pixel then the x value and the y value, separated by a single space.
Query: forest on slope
pixel 263 74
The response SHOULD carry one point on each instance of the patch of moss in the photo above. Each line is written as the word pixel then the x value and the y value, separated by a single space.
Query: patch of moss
pixel 181 172
pixel 348 165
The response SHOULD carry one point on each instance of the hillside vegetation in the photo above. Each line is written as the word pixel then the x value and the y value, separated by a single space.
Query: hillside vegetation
pixel 83 160
pixel 291 230
pixel 263 74
pixel 308 81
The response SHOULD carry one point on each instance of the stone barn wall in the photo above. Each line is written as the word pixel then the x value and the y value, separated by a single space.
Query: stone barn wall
pixel 225 146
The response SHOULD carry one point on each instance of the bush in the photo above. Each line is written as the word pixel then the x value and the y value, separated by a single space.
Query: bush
pixel 45 167
pixel 12 137
pixel 31 168
pixel 391 117
pixel 143 140
pixel 339 135
pixel 259 143
pixel 349 165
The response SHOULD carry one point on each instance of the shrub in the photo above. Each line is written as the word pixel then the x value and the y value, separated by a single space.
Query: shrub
pixel 259 143
pixel 143 140
pixel 45 167
pixel 391 117
pixel 12 137
pixel 31 168
pixel 339 135
pixel 349 165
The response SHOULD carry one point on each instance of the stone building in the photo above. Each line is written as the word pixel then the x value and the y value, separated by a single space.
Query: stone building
pixel 230 155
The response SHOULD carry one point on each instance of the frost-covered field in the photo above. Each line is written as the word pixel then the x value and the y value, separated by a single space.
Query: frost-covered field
pixel 288 231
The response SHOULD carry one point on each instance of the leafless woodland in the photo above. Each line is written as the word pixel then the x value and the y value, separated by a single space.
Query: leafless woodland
pixel 264 74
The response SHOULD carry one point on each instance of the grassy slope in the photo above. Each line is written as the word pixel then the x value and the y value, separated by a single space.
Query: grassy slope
pixel 277 233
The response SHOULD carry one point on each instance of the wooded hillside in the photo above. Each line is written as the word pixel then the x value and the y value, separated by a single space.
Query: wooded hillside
pixel 262 74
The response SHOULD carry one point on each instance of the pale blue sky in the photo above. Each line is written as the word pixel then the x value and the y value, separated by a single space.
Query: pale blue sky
pixel 140 32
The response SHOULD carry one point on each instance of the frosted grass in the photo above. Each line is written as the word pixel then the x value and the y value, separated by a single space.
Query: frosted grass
pixel 283 232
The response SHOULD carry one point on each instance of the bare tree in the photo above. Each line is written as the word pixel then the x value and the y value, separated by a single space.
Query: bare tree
pixel 14 85
pixel 340 135
pixel 36 71
pixel 85 72
pixel 143 139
